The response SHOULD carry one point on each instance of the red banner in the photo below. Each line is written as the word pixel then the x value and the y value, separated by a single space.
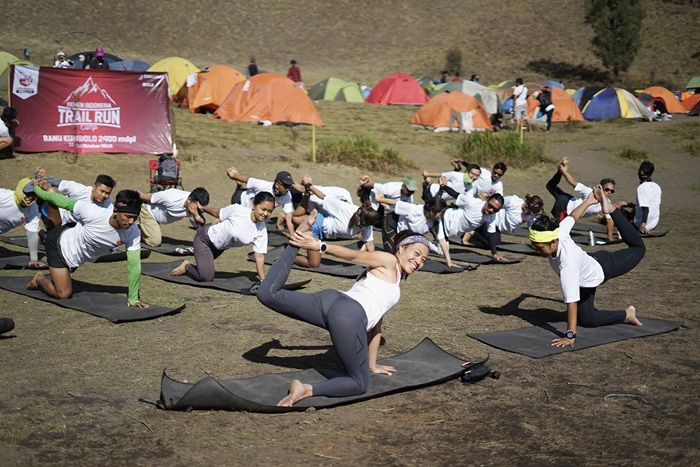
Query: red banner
pixel 90 110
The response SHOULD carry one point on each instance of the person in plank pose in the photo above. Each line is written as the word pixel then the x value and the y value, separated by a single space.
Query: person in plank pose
pixel 419 218
pixel 238 226
pixel 98 231
pixel 460 183
pixel 17 208
pixel 353 318
pixel 402 190
pixel 167 206
pixel 581 274
pixel 515 212
pixel 564 203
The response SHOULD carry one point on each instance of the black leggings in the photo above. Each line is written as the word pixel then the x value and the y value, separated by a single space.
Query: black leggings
pixel 561 198
pixel 614 264
pixel 342 316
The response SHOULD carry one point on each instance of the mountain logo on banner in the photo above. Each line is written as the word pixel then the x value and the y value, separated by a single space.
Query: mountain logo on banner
pixel 26 81
pixel 89 106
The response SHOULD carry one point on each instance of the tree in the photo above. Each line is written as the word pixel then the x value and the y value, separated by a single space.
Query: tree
pixel 453 61
pixel 617 26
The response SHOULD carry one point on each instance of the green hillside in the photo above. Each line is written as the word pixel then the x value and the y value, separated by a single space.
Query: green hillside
pixel 360 40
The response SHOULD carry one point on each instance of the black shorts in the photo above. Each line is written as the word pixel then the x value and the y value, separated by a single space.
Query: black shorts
pixel 54 256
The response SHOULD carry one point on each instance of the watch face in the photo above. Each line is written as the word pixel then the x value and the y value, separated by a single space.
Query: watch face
pixel 570 334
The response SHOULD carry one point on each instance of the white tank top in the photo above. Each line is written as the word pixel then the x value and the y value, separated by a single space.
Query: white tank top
pixel 376 296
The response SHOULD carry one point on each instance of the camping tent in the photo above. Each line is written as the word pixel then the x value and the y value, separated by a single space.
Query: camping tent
pixel 437 113
pixel 177 68
pixel 695 111
pixel 584 94
pixel 615 103
pixel 79 60
pixel 7 59
pixel 672 104
pixel 505 95
pixel 211 87
pixel 129 65
pixel 565 109
pixel 488 97
pixel 694 83
pixel 690 102
pixel 268 97
pixel 336 89
pixel 553 84
pixel 397 88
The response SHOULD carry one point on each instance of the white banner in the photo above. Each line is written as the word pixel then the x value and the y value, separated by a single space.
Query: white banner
pixel 26 82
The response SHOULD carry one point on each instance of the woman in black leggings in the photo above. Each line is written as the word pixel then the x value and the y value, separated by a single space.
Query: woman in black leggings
pixel 581 273
pixel 353 318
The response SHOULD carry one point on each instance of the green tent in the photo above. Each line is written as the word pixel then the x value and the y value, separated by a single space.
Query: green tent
pixel 694 83
pixel 426 82
pixel 7 59
pixel 335 89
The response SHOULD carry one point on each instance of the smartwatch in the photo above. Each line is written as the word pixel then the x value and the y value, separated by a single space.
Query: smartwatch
pixel 322 247
pixel 570 334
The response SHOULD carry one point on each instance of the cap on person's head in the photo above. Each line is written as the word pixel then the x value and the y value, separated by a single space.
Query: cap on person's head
pixel 28 188
pixel 99 52
pixel 285 178
pixel 410 183
pixel 60 53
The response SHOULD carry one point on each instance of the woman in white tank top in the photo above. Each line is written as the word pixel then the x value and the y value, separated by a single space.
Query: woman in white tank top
pixel 350 317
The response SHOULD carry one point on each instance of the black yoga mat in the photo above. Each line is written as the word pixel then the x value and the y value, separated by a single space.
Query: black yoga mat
pixel 431 265
pixel 230 282
pixel 659 233
pixel 579 238
pixel 171 247
pixel 477 258
pixel 14 260
pixel 535 341
pixel 328 266
pixel 104 301
pixel 595 228
pixel 20 240
pixel 424 365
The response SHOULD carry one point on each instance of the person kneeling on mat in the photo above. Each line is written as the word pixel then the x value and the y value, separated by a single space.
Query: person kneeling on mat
pixel 353 318
pixel 580 273
pixel 239 226
pixel 167 206
pixel 97 232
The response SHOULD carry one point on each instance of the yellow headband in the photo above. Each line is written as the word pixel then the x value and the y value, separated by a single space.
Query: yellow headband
pixel 546 236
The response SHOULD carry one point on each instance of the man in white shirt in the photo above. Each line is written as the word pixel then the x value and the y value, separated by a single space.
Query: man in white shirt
pixel 167 206
pixel 17 208
pixel 648 207
pixel 99 193
pixel 400 191
pixel 520 104
pixel 489 182
pixel 452 184
pixel 248 187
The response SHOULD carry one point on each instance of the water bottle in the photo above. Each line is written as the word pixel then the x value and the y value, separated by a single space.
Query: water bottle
pixel 591 238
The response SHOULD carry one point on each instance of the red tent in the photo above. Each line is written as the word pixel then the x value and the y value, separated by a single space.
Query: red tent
pixel 397 88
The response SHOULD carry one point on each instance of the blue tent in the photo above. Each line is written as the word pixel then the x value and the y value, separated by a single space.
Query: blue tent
pixel 129 65
pixel 615 103
pixel 553 84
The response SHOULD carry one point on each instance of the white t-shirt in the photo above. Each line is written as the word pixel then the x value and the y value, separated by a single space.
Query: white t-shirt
pixel 411 217
pixel 648 196
pixel 329 191
pixel 582 194
pixel 511 214
pixel 237 229
pixel 168 205
pixel 484 184
pixel 77 191
pixel 338 214
pixel 391 190
pixel 455 180
pixel 92 236
pixel 469 217
pixel 4 131
pixel 255 186
pixel 573 265
pixel 12 215
pixel 520 95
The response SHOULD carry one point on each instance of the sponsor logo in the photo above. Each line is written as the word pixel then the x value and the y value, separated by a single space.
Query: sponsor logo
pixel 26 81
pixel 89 107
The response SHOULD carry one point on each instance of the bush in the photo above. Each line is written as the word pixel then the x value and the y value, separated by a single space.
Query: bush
pixel 633 154
pixel 487 148
pixel 364 153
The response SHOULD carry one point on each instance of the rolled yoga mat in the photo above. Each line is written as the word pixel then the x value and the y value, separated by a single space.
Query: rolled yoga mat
pixel 535 341
pixel 104 301
pixel 20 240
pixel 424 365
pixel 228 281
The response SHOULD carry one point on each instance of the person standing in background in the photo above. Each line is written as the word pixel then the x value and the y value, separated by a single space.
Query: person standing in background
pixel 252 68
pixel 294 73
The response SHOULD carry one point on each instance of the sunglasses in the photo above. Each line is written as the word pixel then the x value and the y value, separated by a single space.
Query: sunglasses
pixel 609 190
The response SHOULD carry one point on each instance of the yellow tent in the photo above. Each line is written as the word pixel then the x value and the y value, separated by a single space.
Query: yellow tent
pixel 7 59
pixel 178 70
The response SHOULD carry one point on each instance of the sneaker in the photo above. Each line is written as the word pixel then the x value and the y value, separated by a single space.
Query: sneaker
pixel 6 325
pixel 188 250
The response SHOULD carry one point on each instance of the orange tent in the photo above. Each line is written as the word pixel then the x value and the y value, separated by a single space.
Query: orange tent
pixel 672 104
pixel 565 108
pixel 436 113
pixel 268 97
pixel 690 102
pixel 212 87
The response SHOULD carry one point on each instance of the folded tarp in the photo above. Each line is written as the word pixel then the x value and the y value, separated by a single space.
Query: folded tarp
pixel 424 365
pixel 14 259
pixel 328 266
pixel 104 301
pixel 535 341
pixel 228 281
pixel 108 258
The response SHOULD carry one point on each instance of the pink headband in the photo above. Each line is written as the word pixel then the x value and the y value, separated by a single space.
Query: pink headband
pixel 417 238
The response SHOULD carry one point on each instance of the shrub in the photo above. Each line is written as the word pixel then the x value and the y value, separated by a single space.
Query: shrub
pixel 487 148
pixel 633 154
pixel 364 153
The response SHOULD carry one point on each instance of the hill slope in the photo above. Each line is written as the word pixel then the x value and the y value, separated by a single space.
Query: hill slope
pixel 360 40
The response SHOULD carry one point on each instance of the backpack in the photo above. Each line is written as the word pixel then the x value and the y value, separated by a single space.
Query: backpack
pixel 166 172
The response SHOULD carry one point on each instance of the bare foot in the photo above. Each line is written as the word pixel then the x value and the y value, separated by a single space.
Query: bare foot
pixel 631 316
pixel 605 204
pixel 297 392
pixel 34 283
pixel 308 222
pixel 181 269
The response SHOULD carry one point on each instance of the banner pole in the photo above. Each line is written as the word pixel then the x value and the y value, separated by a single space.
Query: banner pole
pixel 313 143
